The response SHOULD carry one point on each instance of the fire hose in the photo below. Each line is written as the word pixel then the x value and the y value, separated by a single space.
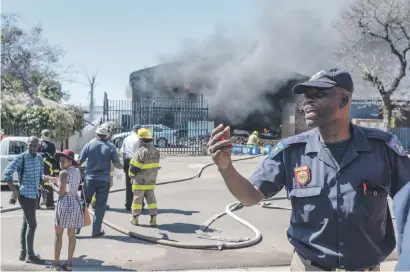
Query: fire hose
pixel 222 242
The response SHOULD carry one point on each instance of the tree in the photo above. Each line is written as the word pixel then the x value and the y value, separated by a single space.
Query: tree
pixel 91 79
pixel 30 79
pixel 377 43
pixel 28 63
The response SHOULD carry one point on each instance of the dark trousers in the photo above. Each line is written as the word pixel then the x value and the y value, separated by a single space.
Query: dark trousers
pixel 101 190
pixel 128 185
pixel 29 226
pixel 49 195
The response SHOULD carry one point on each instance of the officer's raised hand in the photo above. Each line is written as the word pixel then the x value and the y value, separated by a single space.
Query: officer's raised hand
pixel 220 146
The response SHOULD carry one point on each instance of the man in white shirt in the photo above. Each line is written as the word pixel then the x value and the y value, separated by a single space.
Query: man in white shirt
pixel 129 146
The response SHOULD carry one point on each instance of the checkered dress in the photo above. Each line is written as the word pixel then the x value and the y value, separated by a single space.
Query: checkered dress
pixel 69 213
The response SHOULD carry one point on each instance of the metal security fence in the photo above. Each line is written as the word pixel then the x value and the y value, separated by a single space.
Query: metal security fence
pixel 21 130
pixel 179 126
pixel 403 134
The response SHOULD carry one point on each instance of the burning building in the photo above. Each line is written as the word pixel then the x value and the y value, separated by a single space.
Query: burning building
pixel 244 103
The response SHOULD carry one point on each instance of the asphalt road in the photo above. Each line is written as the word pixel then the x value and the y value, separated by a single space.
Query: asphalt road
pixel 183 208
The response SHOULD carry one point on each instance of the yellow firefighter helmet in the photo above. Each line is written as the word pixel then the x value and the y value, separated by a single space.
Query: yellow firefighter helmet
pixel 255 132
pixel 144 133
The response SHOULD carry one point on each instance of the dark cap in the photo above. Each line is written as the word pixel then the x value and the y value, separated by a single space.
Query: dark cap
pixel 136 127
pixel 335 77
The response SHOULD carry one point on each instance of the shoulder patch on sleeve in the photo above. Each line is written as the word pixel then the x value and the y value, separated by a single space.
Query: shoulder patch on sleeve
pixel 281 145
pixel 396 145
pixel 375 133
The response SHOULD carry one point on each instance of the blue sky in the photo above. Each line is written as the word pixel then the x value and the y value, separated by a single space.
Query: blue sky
pixel 119 37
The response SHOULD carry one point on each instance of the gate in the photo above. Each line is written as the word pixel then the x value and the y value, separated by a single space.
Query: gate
pixel 403 134
pixel 179 126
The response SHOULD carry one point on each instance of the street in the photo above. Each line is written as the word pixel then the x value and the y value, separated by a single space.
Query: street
pixel 183 208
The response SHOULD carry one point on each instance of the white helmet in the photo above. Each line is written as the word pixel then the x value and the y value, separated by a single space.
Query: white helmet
pixel 107 127
pixel 102 130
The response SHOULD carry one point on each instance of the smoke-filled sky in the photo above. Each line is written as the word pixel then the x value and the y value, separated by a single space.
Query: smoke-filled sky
pixel 259 40
pixel 290 36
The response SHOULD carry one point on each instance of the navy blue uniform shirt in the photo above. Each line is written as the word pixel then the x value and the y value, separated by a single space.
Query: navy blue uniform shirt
pixel 340 216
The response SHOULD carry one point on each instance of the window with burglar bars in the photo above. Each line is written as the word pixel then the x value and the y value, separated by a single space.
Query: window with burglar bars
pixel 178 125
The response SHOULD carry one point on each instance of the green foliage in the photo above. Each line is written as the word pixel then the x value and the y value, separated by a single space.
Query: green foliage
pixel 61 121
pixel 30 67
pixel 28 63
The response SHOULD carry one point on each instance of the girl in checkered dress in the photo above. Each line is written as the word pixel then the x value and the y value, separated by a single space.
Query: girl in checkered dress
pixel 69 214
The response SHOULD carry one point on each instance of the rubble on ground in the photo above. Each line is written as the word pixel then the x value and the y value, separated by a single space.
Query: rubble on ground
pixel 242 140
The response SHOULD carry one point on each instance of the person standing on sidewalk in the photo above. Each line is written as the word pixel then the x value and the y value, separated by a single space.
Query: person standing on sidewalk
pixel 129 146
pixel 69 212
pixel 144 167
pixel 338 177
pixel 30 167
pixel 94 199
pixel 51 168
pixel 99 153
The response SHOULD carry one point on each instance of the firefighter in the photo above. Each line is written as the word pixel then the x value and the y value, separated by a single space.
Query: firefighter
pixel 253 139
pixel 143 171
pixel 51 167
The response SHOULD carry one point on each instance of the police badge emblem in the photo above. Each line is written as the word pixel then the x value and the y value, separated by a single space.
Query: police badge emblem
pixel 302 175
pixel 317 75
pixel 396 145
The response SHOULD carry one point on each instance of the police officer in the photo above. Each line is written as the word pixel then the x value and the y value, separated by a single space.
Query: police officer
pixel 143 171
pixel 337 175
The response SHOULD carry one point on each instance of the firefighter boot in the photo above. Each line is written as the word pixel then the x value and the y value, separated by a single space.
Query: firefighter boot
pixel 153 221
pixel 134 220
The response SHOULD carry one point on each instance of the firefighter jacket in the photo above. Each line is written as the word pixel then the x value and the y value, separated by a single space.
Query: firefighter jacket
pixel 253 140
pixel 144 167
pixel 51 166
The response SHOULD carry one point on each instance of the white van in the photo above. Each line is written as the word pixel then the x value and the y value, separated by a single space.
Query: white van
pixel 11 147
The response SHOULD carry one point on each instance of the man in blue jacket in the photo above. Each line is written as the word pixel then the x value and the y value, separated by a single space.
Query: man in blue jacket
pixel 401 205
pixel 99 153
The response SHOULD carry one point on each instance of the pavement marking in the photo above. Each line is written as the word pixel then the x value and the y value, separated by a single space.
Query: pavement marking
pixel 20 215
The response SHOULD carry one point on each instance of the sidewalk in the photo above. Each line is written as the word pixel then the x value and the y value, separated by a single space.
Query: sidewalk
pixel 386 266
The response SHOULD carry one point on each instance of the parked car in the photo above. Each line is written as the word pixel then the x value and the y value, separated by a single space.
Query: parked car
pixel 11 147
pixel 163 136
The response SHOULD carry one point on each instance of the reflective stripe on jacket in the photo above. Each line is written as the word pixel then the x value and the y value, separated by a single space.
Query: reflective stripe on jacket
pixel 144 165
